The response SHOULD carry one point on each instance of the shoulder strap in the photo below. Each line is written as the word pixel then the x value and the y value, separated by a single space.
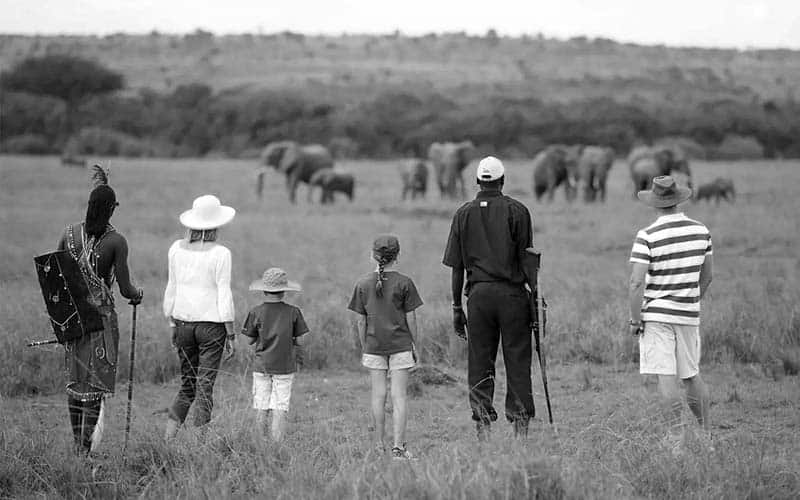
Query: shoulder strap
pixel 81 249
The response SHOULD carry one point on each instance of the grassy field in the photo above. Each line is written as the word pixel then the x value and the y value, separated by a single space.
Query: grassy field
pixel 605 442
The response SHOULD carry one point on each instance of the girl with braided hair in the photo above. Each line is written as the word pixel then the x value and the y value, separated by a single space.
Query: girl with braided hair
pixel 384 302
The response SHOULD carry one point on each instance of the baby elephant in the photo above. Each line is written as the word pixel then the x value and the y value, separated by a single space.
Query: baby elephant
pixel 414 174
pixel 721 187
pixel 332 181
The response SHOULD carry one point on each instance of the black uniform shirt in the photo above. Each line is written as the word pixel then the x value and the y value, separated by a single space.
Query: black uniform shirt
pixel 488 237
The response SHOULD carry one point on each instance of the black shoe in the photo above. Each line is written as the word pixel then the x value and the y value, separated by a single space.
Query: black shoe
pixel 520 429
pixel 483 429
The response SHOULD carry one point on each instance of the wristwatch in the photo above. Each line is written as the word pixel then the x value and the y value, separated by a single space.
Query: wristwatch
pixel 635 323
pixel 456 307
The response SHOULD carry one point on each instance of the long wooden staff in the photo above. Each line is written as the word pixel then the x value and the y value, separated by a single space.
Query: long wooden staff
pixel 130 379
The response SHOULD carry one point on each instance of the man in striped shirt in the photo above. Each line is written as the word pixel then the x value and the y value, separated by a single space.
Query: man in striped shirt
pixel 671 270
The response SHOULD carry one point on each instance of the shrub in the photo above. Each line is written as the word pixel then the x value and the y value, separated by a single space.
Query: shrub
pixel 104 142
pixel 67 77
pixel 694 150
pixel 27 144
pixel 737 147
pixel 24 113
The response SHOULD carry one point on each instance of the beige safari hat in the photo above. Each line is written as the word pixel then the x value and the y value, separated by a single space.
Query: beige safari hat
pixel 275 280
pixel 664 193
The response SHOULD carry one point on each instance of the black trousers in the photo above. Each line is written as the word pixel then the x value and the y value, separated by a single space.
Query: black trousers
pixel 200 346
pixel 497 312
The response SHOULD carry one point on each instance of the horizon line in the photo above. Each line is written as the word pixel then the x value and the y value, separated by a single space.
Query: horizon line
pixel 399 33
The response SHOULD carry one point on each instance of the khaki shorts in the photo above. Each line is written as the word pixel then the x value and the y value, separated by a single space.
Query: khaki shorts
pixel 398 361
pixel 272 392
pixel 667 349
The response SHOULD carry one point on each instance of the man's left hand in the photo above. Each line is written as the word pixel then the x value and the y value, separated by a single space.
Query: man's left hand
pixel 636 329
pixel 460 322
pixel 138 299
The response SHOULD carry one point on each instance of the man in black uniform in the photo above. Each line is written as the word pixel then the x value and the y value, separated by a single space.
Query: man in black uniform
pixel 488 238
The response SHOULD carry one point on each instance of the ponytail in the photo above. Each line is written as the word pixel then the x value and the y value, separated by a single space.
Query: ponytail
pixel 381 278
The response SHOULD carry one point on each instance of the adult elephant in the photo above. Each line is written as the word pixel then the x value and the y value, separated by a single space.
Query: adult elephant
pixel 297 162
pixel 332 181
pixel 553 166
pixel 414 174
pixel 449 159
pixel 593 166
pixel 647 162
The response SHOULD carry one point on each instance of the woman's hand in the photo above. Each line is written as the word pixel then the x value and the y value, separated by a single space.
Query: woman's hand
pixel 230 337
pixel 230 348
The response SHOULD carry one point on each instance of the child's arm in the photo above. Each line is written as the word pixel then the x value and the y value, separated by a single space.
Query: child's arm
pixel 250 329
pixel 361 328
pixel 411 319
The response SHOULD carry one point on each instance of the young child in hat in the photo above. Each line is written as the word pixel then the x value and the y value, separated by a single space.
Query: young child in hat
pixel 277 330
pixel 385 302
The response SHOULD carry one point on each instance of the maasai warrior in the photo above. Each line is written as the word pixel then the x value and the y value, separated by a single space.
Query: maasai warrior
pixel 91 360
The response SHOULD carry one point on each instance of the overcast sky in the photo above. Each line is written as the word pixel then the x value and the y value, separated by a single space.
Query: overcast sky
pixel 728 23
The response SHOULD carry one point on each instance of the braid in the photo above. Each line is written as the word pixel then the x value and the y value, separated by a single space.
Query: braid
pixel 98 214
pixel 381 278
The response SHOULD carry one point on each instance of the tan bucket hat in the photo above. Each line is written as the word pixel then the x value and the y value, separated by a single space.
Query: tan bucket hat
pixel 664 193
pixel 275 280
pixel 207 213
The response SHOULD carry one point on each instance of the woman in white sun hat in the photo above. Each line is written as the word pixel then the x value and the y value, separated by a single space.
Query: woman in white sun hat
pixel 199 305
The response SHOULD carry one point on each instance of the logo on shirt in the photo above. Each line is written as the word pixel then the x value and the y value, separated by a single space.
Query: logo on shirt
pixel 484 203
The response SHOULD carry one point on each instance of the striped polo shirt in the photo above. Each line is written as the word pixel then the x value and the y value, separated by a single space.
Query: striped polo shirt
pixel 674 247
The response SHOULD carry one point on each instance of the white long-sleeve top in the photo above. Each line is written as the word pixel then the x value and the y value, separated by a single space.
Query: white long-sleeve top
pixel 199 285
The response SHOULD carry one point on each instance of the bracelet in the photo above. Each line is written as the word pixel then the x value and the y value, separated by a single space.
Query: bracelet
pixel 635 323
pixel 230 336
pixel 457 307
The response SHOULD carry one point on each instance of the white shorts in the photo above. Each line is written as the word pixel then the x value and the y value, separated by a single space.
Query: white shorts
pixel 667 349
pixel 272 392
pixel 397 361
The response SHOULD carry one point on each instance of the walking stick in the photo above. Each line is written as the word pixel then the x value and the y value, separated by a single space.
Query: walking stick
pixel 130 380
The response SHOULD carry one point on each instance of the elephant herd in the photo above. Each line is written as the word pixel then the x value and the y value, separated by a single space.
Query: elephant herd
pixel 578 168
pixel 311 164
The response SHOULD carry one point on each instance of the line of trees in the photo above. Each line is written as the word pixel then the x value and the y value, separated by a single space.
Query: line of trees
pixel 65 104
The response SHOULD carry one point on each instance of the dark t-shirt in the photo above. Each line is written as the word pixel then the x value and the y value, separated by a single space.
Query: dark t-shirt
pixel 274 325
pixel 387 328
pixel 488 238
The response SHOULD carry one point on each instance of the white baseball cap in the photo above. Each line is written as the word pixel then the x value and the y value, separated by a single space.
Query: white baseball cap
pixel 490 169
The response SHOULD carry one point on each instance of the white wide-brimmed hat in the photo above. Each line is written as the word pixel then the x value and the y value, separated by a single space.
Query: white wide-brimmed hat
pixel 207 213
pixel 275 280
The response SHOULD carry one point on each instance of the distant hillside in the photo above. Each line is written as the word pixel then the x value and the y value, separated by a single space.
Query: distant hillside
pixel 460 66
pixel 394 95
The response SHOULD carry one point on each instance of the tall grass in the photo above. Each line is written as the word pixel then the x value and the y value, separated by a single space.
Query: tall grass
pixel 604 447
pixel 750 315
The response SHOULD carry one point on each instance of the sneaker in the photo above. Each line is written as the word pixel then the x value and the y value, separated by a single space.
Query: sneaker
pixel 401 453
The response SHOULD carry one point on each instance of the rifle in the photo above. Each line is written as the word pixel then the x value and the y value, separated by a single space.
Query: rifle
pixel 531 262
